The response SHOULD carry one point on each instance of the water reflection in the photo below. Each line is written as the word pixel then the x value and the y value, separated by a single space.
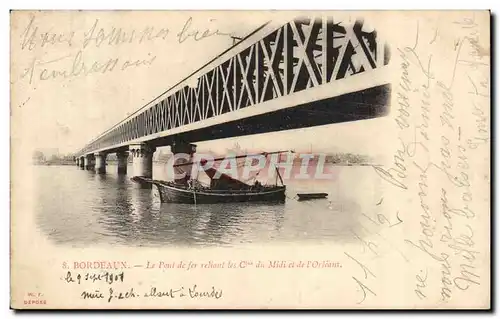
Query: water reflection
pixel 142 219
pixel 219 224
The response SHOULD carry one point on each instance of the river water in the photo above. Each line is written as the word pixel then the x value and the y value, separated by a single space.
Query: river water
pixel 76 207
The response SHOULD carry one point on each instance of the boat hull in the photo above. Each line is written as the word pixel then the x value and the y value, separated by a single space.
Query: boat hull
pixel 170 194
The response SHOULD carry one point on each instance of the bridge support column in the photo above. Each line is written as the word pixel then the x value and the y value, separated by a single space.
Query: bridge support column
pixel 122 158
pixel 81 162
pixel 100 162
pixel 183 153
pixel 89 162
pixel 142 161
pixel 77 161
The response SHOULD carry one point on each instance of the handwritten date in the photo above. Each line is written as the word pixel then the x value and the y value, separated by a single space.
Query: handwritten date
pixel 106 277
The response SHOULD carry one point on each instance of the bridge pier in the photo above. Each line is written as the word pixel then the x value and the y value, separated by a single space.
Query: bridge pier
pixel 188 150
pixel 142 161
pixel 77 161
pixel 122 158
pixel 100 162
pixel 89 161
pixel 81 162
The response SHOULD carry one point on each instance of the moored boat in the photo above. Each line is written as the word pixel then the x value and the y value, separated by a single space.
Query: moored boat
pixel 171 192
pixel 222 189
pixel 307 196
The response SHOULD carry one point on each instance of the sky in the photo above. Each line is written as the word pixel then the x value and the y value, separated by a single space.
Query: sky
pixel 54 108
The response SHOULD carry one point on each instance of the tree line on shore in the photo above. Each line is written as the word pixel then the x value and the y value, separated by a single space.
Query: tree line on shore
pixel 336 158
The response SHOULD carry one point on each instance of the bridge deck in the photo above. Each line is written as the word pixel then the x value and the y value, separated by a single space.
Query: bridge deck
pixel 305 63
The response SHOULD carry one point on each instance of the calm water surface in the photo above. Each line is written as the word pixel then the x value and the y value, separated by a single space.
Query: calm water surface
pixel 80 208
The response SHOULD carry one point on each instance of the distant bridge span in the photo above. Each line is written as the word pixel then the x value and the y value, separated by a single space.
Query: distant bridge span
pixel 308 72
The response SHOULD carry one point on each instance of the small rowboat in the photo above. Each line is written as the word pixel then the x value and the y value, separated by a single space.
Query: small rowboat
pixel 308 196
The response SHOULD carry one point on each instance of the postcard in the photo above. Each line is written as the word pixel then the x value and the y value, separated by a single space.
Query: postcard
pixel 250 160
